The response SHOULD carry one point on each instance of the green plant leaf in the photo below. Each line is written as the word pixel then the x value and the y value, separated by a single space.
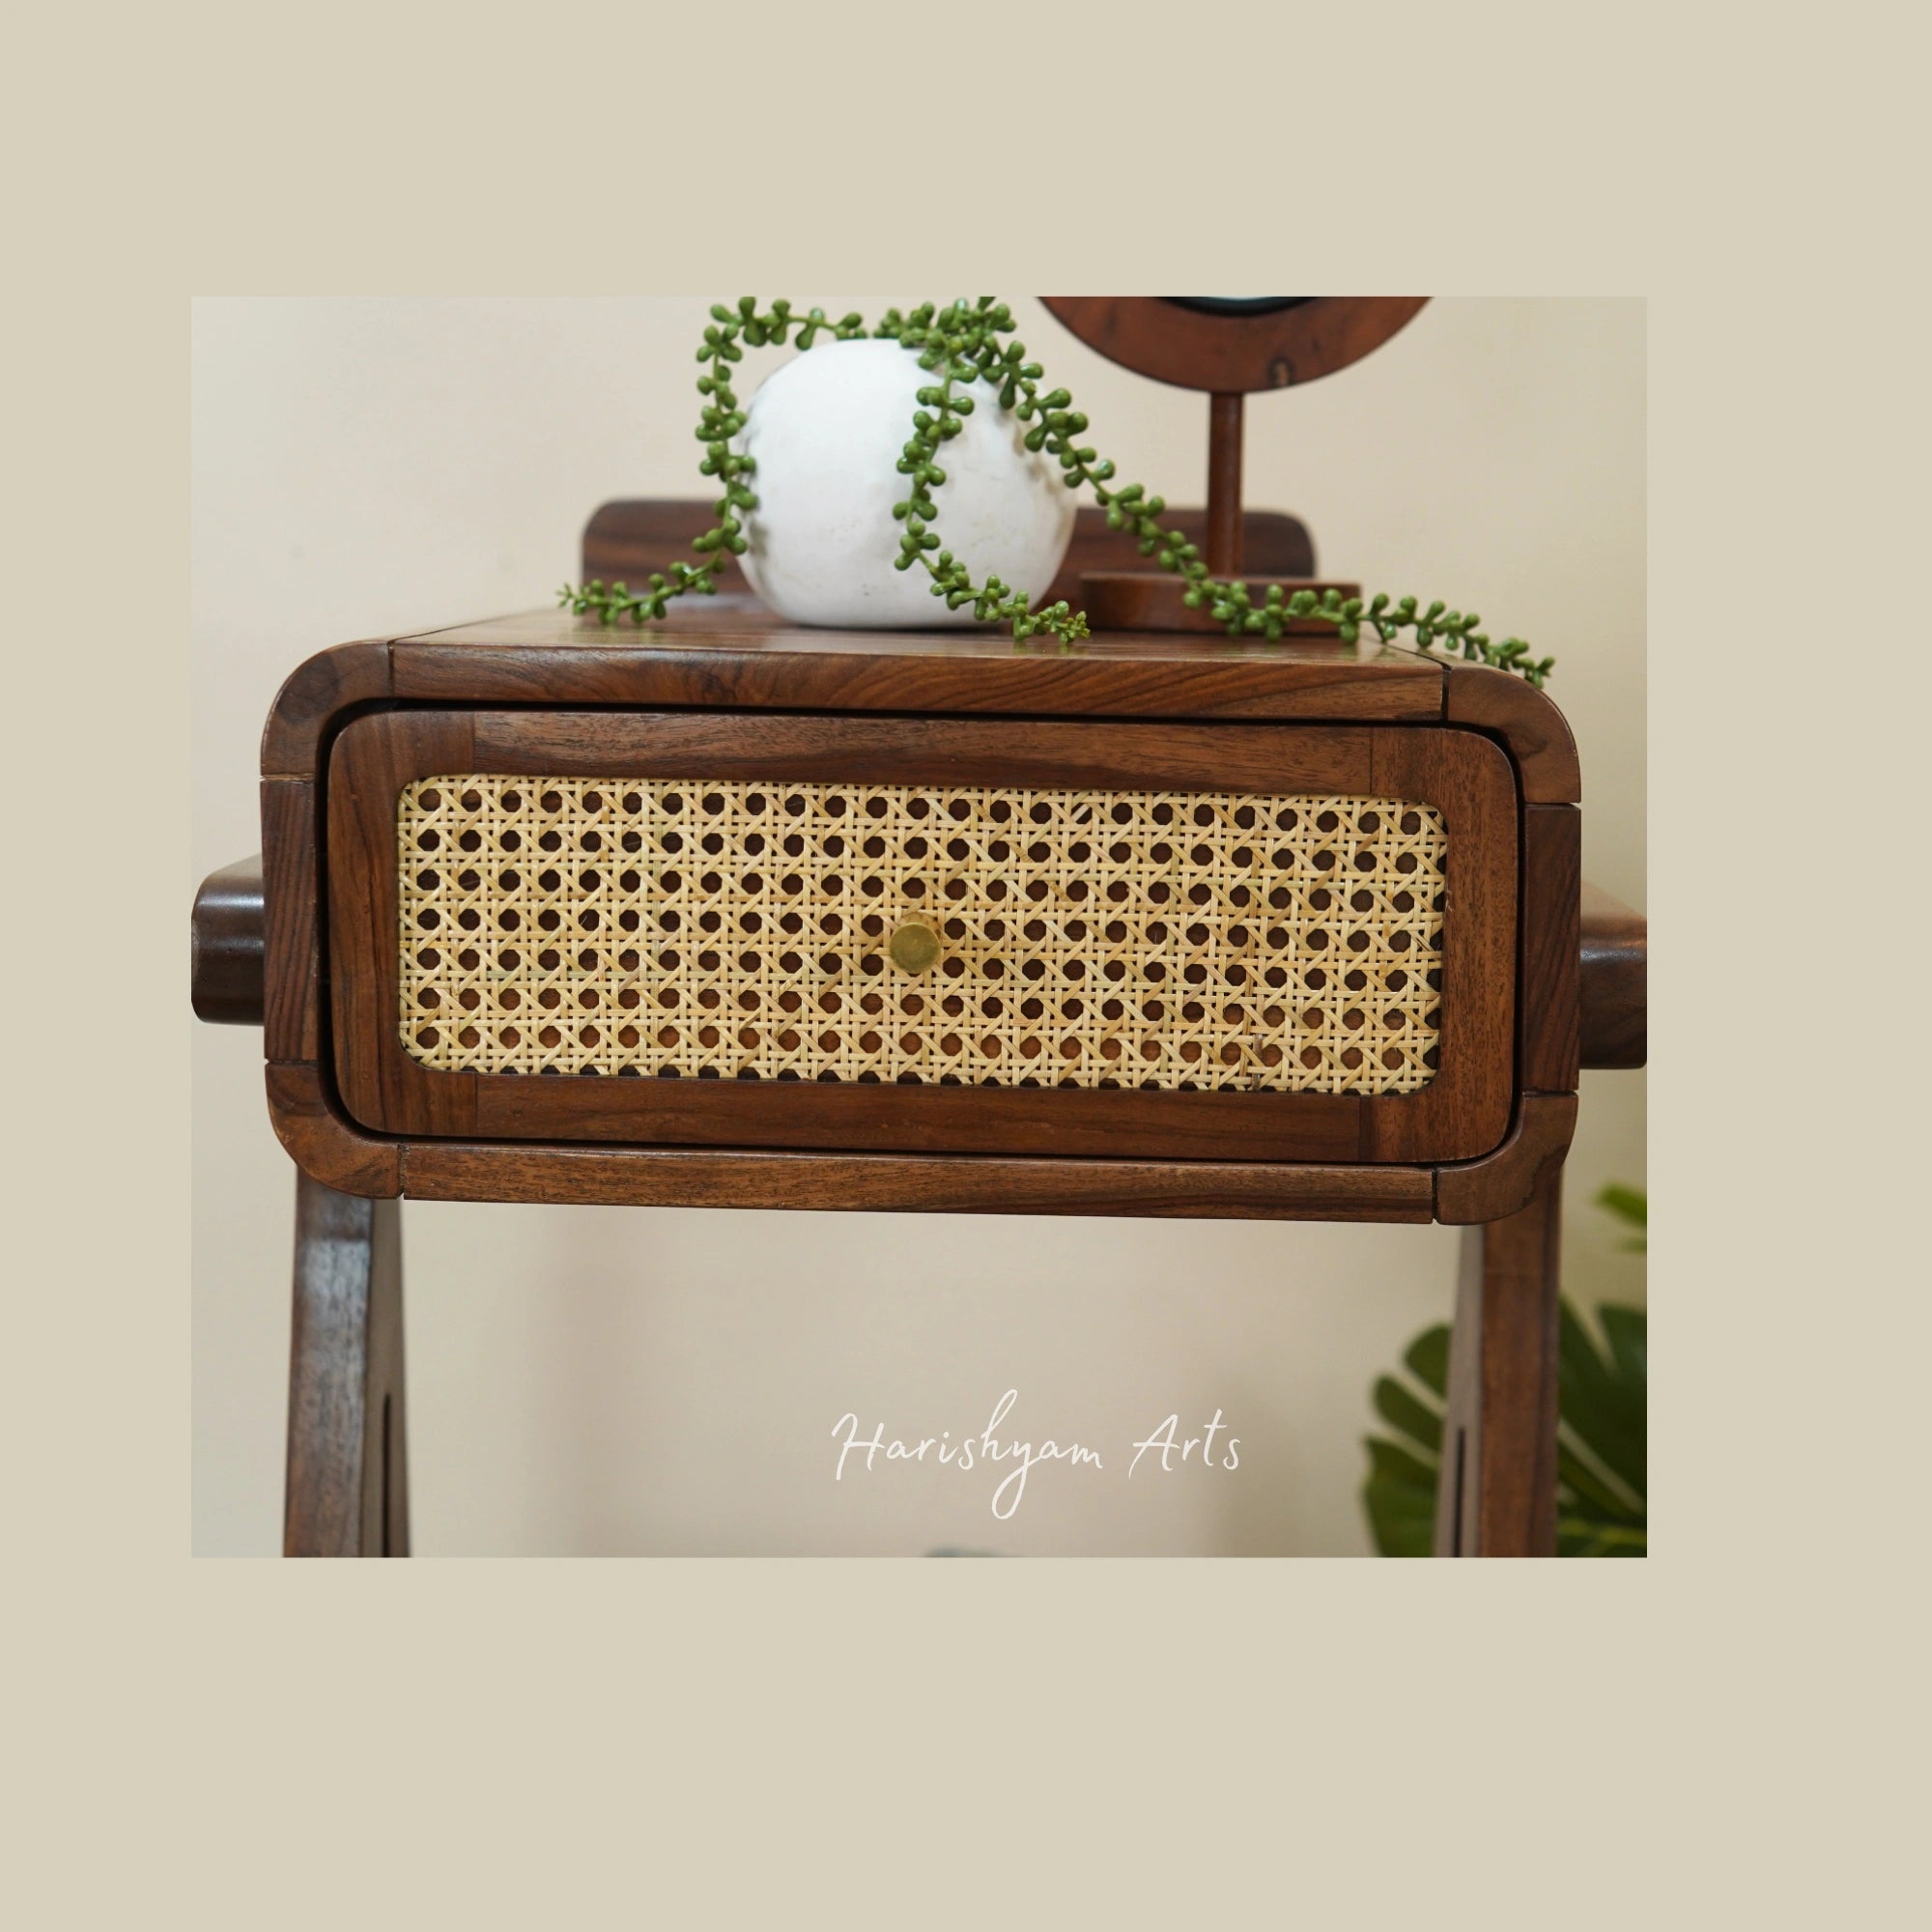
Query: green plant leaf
pixel 1402 1520
pixel 1631 1207
pixel 1602 1410
pixel 1601 1448
pixel 1393 1460
pixel 1627 1204
pixel 1625 1329
pixel 1591 1492
pixel 1410 1413
pixel 1428 1357
pixel 965 343
pixel 1400 1500
pixel 1577 1536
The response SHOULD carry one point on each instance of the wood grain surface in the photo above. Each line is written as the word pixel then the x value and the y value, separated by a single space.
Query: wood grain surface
pixel 227 938
pixel 1551 887
pixel 914 1184
pixel 1497 1492
pixel 1234 354
pixel 729 660
pixel 1613 967
pixel 347 1490
pixel 292 921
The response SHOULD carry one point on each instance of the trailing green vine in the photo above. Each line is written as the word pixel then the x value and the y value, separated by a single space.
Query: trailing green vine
pixel 959 345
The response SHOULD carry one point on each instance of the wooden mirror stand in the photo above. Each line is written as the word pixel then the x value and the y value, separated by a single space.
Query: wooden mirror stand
pixel 1258 343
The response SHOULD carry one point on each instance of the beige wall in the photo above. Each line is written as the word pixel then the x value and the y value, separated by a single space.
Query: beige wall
pixel 642 1382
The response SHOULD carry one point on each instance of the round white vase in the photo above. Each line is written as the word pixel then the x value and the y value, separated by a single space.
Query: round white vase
pixel 827 430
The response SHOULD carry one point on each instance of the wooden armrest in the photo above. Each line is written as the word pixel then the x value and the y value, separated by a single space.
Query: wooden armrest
pixel 227 942
pixel 1613 982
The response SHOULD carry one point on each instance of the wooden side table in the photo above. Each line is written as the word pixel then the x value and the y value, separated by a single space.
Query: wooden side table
pixel 726 913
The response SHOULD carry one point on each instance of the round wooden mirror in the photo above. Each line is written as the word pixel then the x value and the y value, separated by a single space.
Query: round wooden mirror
pixel 1234 345
pixel 1229 345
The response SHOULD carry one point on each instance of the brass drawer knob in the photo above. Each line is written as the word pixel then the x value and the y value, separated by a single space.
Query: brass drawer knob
pixel 915 946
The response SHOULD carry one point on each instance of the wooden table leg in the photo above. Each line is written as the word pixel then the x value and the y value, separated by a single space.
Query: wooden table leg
pixel 348 1479
pixel 1498 1494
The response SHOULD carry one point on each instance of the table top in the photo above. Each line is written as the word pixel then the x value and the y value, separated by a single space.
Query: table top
pixel 739 622
pixel 728 653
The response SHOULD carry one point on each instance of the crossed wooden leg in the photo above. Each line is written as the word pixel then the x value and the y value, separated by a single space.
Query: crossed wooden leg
pixel 1498 1494
pixel 348 1481
pixel 348 1470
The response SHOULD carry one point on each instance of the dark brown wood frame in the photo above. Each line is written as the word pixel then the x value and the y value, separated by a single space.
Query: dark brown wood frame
pixel 1232 355
pixel 738 660
pixel 348 1488
pixel 1461 1114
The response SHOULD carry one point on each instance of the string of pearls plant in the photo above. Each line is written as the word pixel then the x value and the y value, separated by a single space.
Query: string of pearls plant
pixel 957 344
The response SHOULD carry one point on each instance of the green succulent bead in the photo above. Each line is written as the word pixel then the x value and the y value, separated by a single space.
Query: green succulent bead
pixel 964 341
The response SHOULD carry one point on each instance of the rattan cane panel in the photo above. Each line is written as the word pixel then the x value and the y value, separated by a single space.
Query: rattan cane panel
pixel 739 930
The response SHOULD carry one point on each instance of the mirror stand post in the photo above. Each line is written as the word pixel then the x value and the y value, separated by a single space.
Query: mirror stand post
pixel 1224 485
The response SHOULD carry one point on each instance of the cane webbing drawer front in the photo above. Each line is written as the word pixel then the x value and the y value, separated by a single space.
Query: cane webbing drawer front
pixel 1245 942
pixel 743 929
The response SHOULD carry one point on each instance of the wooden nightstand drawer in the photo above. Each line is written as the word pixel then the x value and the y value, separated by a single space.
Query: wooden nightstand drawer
pixel 1254 942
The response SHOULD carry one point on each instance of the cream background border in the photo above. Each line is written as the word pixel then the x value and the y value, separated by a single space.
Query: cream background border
pixel 971 1742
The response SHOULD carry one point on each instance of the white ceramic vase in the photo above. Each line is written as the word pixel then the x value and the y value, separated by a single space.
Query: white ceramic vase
pixel 827 430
